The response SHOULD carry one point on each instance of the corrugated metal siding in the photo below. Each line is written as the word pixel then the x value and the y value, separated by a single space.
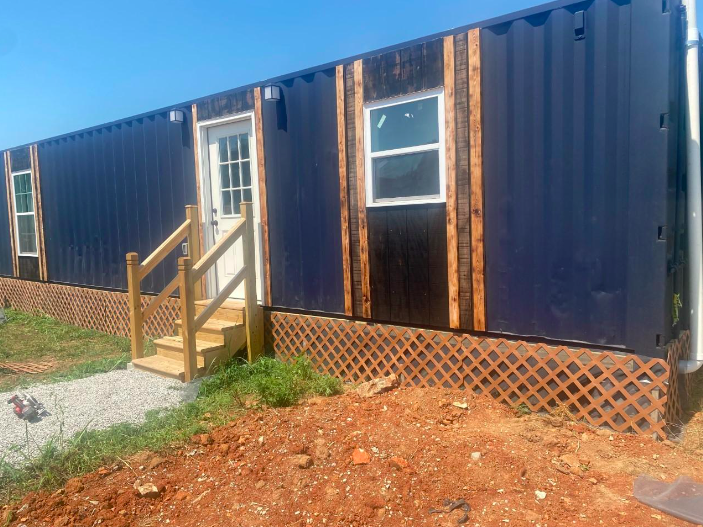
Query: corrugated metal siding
pixel 114 190
pixel 5 245
pixel 302 171
pixel 576 173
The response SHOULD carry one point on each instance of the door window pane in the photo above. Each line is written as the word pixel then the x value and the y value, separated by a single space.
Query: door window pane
pixel 233 148
pixel 235 175
pixel 226 203
pixel 406 176
pixel 244 145
pixel 224 176
pixel 223 150
pixel 236 200
pixel 246 174
pixel 27 237
pixel 23 193
pixel 404 125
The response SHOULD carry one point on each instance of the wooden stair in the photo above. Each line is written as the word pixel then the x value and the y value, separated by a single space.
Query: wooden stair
pixel 218 340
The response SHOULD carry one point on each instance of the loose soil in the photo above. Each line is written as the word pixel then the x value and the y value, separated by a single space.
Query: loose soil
pixel 293 467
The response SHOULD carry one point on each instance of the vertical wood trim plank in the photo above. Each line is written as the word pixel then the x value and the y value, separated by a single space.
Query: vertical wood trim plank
pixel 450 153
pixel 135 306
pixel 263 203
pixel 476 171
pixel 198 193
pixel 188 334
pixel 361 189
pixel 11 214
pixel 38 212
pixel 343 192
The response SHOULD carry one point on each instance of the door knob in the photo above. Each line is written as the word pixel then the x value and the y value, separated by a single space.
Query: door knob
pixel 214 223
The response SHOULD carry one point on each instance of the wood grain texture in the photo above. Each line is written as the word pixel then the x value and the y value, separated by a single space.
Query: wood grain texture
pixel 228 104
pixel 353 195
pixel 39 215
pixel 134 306
pixel 11 214
pixel 188 334
pixel 198 192
pixel 476 172
pixel 253 313
pixel 361 189
pixel 263 202
pixel 463 186
pixel 343 192
pixel 450 168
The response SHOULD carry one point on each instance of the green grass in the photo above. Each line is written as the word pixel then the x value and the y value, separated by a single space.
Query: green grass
pixel 77 352
pixel 222 397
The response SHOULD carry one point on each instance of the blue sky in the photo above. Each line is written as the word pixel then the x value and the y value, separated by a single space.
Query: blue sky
pixel 73 64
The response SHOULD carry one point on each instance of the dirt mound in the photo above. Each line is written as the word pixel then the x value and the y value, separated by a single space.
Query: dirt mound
pixel 387 460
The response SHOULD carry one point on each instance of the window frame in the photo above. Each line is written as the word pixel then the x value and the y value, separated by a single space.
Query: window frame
pixel 440 147
pixel 18 214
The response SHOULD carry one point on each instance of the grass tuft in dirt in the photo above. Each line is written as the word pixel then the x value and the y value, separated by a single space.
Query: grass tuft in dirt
pixel 267 382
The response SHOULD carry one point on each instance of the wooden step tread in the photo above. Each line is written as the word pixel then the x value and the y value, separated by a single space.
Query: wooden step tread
pixel 215 325
pixel 227 304
pixel 161 366
pixel 176 344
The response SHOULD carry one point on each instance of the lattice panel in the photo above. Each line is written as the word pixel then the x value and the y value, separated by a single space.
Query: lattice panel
pixel 104 311
pixel 625 392
pixel 678 391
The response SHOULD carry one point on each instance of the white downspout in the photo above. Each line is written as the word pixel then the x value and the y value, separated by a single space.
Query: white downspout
pixel 693 193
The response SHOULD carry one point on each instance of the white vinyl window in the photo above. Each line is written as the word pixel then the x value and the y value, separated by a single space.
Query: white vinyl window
pixel 24 203
pixel 404 149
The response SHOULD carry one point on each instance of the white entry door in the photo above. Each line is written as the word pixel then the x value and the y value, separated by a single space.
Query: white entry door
pixel 233 179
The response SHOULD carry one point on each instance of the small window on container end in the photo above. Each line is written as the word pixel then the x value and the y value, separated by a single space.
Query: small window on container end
pixel 405 150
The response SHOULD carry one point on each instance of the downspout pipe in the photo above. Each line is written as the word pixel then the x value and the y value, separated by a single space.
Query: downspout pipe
pixel 694 225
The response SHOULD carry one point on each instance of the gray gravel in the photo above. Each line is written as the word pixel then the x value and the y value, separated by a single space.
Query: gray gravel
pixel 96 402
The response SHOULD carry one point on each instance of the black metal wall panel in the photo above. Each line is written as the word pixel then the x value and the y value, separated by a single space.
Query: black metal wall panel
pixel 302 171
pixel 5 244
pixel 576 165
pixel 114 190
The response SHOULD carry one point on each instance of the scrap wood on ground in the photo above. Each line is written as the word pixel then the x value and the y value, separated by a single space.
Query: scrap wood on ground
pixel 400 458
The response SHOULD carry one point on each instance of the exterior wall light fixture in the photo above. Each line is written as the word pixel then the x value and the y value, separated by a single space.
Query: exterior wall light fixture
pixel 272 92
pixel 176 116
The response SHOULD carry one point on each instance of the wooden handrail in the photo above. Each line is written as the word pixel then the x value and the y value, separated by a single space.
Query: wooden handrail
pixel 136 273
pixel 164 249
pixel 214 254
pixel 154 304
pixel 223 295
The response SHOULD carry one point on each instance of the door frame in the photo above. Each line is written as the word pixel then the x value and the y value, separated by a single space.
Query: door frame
pixel 206 215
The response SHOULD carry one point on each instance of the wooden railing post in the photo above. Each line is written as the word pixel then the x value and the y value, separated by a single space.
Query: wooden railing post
pixel 190 359
pixel 194 249
pixel 135 306
pixel 252 312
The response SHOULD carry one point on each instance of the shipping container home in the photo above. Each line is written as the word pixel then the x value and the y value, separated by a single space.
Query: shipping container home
pixel 500 207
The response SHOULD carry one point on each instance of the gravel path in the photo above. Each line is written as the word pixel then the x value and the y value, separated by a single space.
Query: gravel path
pixel 122 396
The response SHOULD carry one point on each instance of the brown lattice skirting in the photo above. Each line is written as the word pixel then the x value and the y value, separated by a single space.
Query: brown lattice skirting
pixel 105 311
pixel 679 385
pixel 625 392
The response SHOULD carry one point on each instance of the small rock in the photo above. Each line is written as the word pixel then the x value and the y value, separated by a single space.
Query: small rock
pixel 224 449
pixel 602 432
pixel 260 484
pixel 593 481
pixel 301 461
pixel 475 456
pixel 540 495
pixel 104 471
pixel 657 516
pixel 398 463
pixel 570 459
pixel 181 495
pixel 360 457
pixel 203 439
pixel 463 406
pixel 523 472
pixel 321 451
pixel 155 462
pixel 378 386
pixel 74 486
pixel 148 490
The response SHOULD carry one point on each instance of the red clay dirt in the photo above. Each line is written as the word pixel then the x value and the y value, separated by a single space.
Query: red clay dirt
pixel 293 467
